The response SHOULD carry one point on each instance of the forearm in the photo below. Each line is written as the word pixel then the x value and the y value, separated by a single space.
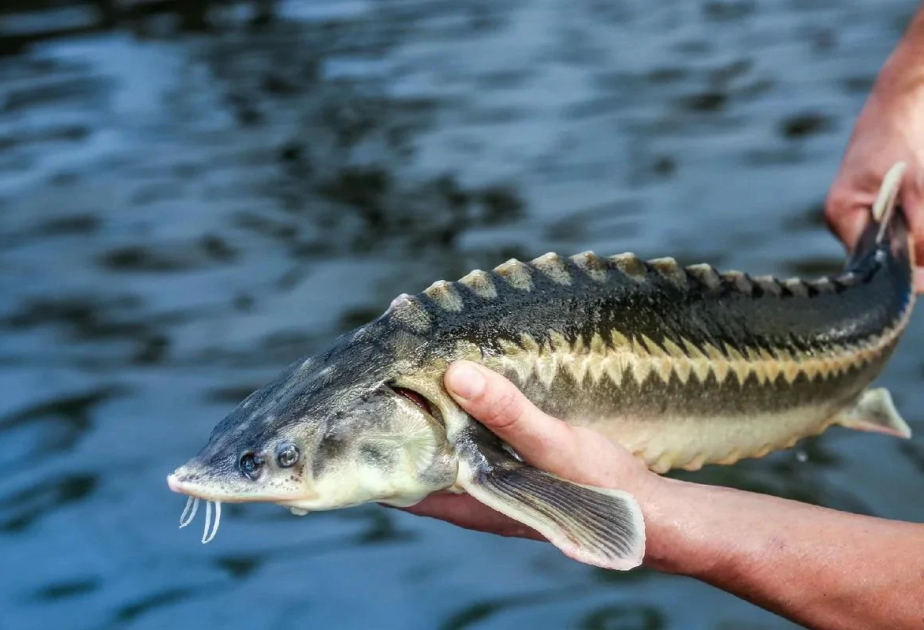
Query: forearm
pixel 903 72
pixel 818 567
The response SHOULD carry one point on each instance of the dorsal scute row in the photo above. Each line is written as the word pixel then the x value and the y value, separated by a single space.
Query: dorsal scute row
pixel 627 267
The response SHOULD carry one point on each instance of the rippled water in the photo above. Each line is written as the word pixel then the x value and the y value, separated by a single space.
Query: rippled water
pixel 182 214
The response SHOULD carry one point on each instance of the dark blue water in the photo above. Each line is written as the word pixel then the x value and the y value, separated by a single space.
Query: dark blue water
pixel 182 214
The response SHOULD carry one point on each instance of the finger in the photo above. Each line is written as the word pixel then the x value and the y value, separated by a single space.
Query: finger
pixel 541 440
pixel 846 217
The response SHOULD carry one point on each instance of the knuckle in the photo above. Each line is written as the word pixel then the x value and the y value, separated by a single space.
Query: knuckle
pixel 504 410
pixel 846 195
pixel 837 204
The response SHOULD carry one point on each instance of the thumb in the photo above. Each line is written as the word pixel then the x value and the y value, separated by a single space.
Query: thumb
pixel 543 441
pixel 578 454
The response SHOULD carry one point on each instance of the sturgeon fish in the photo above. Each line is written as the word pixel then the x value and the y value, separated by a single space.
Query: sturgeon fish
pixel 682 366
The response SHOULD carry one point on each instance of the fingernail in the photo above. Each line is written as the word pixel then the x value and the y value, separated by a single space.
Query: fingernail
pixel 465 381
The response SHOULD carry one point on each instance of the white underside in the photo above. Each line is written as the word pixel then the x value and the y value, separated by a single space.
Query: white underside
pixel 668 442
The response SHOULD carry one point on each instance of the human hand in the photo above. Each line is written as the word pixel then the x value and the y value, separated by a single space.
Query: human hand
pixel 889 129
pixel 577 454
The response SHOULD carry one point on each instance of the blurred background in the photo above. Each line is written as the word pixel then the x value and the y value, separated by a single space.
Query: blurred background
pixel 195 193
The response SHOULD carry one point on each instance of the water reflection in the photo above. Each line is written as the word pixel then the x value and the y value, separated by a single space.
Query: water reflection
pixel 193 195
pixel 624 618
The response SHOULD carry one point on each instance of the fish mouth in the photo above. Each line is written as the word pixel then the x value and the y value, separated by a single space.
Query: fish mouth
pixel 196 491
pixel 207 492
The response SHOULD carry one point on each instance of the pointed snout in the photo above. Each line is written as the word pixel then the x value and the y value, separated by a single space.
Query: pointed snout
pixel 196 479
pixel 186 480
pixel 174 483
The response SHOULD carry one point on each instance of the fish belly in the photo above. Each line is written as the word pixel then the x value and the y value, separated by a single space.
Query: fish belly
pixel 689 442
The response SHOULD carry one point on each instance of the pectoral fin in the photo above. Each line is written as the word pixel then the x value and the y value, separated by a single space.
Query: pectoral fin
pixel 596 526
pixel 875 411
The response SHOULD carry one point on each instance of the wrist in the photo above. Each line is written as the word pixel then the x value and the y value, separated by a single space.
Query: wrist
pixel 664 540
pixel 679 529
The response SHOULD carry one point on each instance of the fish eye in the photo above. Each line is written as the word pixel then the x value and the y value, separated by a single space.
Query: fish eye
pixel 287 454
pixel 250 465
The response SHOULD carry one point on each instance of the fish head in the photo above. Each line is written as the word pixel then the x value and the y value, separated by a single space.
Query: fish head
pixel 330 432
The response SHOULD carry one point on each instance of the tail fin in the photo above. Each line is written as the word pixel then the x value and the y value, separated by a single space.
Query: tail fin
pixel 888 231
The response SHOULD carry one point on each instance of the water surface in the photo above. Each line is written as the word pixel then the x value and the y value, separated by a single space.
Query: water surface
pixel 183 213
